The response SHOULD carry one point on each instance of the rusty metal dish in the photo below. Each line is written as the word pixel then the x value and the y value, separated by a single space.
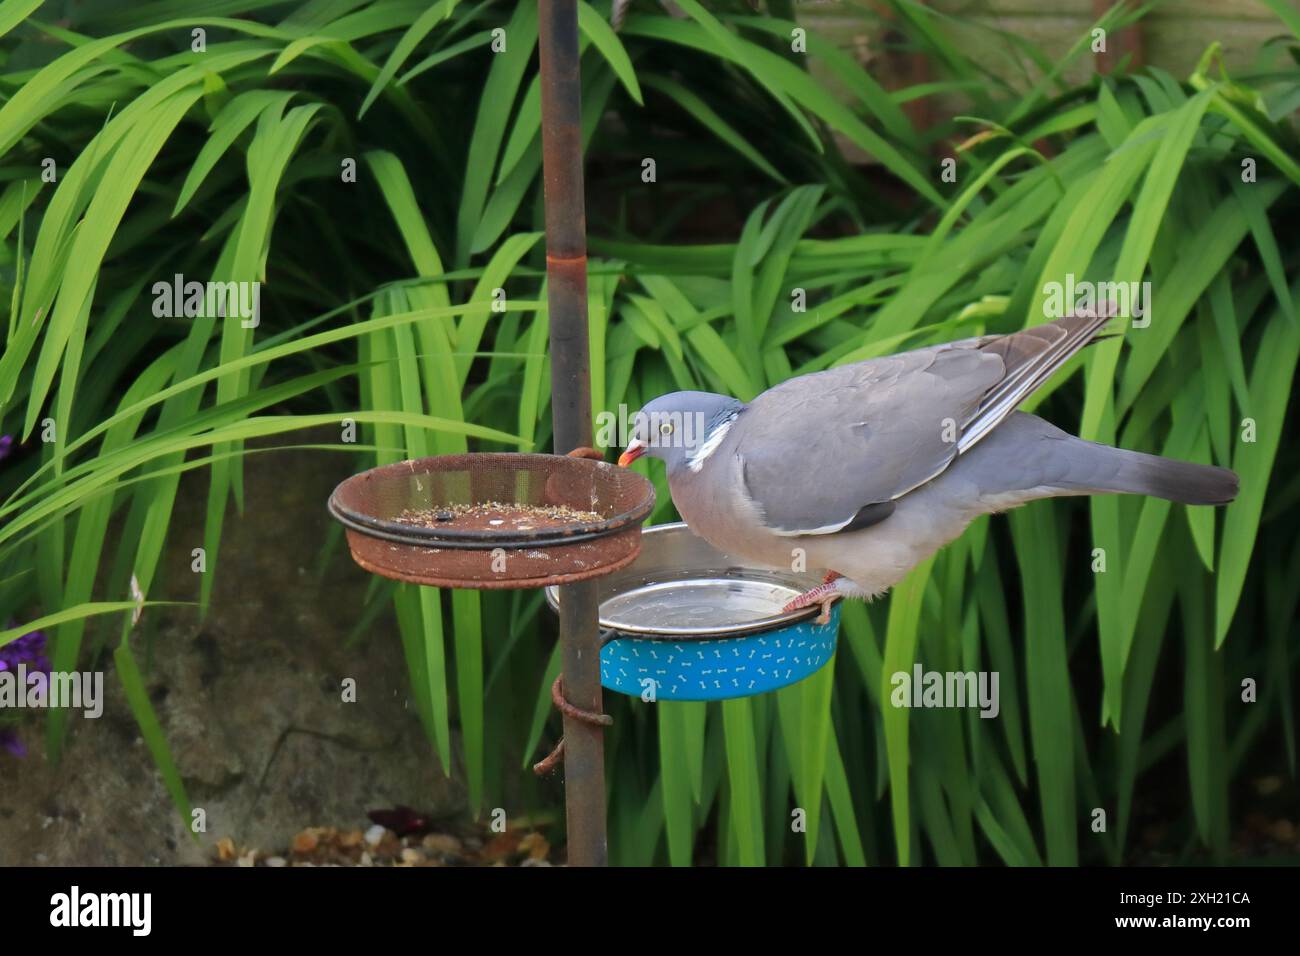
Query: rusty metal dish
pixel 554 519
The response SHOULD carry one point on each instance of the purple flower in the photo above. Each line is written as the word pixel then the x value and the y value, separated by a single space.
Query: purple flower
pixel 10 741
pixel 28 649
pixel 6 446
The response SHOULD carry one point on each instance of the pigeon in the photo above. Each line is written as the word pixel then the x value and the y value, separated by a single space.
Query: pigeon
pixel 867 469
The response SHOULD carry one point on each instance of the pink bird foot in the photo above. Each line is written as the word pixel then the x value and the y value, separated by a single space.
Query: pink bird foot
pixel 826 594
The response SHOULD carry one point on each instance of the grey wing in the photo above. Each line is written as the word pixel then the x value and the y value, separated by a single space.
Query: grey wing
pixel 832 451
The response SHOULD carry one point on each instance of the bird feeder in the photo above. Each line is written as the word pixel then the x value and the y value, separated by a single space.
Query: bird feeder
pixel 685 621
pixel 563 520
pixel 493 520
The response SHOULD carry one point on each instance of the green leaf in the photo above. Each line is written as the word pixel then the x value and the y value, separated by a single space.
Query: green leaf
pixel 1271 376
pixel 675 783
pixel 742 774
pixel 499 94
pixel 235 117
pixel 415 33
pixel 707 117
pixel 14 12
pixel 603 37
pixel 1051 712
pixel 751 57
pixel 900 652
pixel 137 698
pixel 80 612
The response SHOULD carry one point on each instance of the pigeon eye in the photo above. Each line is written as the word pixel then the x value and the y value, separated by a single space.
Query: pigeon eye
pixel 666 428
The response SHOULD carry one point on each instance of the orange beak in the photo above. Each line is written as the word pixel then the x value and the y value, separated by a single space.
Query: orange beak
pixel 635 449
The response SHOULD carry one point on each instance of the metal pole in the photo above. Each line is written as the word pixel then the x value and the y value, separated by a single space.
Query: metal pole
pixel 1123 42
pixel 566 270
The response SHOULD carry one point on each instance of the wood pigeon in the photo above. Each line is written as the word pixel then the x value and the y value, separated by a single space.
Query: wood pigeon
pixel 867 469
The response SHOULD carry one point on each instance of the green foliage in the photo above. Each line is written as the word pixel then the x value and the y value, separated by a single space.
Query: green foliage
pixel 232 164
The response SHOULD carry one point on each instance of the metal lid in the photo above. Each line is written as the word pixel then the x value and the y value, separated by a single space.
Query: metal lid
pixel 681 586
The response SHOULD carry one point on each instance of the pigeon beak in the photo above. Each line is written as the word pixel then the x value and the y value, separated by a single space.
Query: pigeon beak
pixel 635 449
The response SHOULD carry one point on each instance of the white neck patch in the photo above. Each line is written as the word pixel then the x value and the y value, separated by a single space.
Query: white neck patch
pixel 696 462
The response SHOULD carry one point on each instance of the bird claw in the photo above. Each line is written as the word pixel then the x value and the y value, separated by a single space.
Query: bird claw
pixel 824 595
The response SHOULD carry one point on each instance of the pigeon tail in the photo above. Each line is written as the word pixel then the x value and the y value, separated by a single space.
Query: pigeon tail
pixel 1182 481
pixel 1029 456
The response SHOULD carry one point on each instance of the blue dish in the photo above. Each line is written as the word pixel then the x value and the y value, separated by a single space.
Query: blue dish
pixel 718 668
pixel 685 621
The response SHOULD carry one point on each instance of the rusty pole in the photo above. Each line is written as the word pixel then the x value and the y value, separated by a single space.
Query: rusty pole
pixel 1127 41
pixel 566 271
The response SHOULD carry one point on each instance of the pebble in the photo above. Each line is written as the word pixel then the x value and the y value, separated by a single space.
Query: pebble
pixel 442 843
pixel 380 846
pixel 535 845
pixel 502 846
pixel 1267 786
pixel 1284 831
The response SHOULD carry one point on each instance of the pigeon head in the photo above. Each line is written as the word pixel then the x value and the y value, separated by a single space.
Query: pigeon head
pixel 681 429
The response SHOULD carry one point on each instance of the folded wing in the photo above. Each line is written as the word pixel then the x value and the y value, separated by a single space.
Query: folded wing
pixel 831 451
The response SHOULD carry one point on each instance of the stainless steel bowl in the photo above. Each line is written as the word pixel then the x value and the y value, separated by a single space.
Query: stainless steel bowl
pixel 680 586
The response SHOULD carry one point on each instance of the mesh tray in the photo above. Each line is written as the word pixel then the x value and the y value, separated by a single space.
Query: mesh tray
pixel 493 520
